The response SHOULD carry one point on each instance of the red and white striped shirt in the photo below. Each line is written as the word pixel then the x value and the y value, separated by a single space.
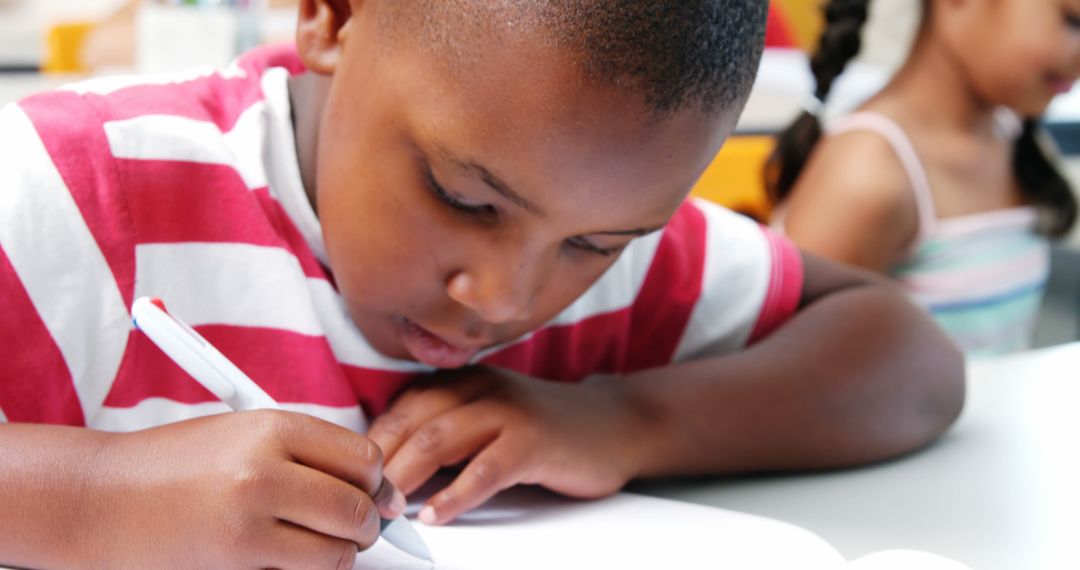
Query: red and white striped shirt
pixel 187 187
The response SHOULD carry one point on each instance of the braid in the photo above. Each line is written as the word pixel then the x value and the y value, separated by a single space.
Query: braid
pixel 840 42
pixel 1041 182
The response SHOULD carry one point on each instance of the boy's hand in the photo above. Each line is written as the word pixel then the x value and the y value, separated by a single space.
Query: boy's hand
pixel 253 489
pixel 582 440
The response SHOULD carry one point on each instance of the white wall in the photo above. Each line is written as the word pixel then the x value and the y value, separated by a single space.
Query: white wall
pixel 887 36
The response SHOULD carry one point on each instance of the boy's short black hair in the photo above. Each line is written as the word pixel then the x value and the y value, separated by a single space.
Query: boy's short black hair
pixel 676 53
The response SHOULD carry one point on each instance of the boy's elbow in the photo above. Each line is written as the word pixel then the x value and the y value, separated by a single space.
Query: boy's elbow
pixel 945 392
pixel 917 410
pixel 936 383
pixel 920 377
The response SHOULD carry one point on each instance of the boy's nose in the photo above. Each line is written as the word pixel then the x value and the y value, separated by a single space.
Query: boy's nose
pixel 499 295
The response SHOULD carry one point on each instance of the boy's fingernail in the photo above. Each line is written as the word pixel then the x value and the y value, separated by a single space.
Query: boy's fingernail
pixel 427 515
pixel 397 502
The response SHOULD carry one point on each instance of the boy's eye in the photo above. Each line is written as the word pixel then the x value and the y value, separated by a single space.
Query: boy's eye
pixel 585 245
pixel 1072 19
pixel 454 202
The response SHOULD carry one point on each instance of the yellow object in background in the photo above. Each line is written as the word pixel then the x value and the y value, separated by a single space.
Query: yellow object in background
pixel 64 43
pixel 735 179
pixel 804 19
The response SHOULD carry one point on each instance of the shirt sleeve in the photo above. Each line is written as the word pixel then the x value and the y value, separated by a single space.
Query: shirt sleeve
pixel 65 324
pixel 751 283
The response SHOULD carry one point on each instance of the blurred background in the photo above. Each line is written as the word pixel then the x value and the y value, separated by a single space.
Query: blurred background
pixel 46 43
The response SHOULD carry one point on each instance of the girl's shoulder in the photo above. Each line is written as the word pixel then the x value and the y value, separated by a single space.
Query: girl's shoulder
pixel 856 183
pixel 860 160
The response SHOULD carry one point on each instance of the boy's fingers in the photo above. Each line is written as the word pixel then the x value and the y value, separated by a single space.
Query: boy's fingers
pixel 313 500
pixel 499 466
pixel 334 450
pixel 416 407
pixel 445 440
pixel 389 500
pixel 289 546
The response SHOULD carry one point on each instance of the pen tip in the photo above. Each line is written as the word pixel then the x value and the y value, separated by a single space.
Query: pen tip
pixel 400 533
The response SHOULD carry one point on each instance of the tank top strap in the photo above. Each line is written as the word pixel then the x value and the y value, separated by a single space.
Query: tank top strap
pixel 909 159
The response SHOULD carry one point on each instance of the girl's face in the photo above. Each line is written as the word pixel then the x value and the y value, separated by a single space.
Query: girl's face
pixel 1018 53
pixel 465 204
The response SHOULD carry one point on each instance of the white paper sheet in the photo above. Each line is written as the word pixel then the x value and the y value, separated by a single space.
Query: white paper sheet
pixel 904 560
pixel 529 528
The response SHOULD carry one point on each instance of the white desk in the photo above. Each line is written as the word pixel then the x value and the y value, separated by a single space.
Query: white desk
pixel 1001 491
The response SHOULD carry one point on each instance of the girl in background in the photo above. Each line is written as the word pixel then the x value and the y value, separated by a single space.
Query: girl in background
pixel 941 180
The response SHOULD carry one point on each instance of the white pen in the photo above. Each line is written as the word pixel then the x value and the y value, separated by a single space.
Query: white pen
pixel 210 368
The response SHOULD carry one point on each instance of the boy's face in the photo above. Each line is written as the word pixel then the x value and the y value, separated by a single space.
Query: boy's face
pixel 463 205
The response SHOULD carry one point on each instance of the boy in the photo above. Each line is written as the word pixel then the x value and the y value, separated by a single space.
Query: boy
pixel 448 183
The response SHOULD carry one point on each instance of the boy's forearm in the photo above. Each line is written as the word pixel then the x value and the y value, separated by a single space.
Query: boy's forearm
pixel 44 509
pixel 857 376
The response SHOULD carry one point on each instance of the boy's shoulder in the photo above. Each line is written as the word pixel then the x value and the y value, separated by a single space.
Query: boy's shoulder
pixel 215 95
pixel 109 130
pixel 698 226
pixel 171 158
pixel 702 242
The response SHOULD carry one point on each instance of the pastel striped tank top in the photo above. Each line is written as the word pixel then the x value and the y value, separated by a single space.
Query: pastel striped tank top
pixel 981 276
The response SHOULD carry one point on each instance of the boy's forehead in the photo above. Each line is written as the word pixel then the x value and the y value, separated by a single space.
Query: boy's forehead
pixel 499 53
pixel 460 31
pixel 525 87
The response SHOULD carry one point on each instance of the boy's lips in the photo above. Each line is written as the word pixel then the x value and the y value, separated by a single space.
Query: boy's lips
pixel 1060 84
pixel 433 350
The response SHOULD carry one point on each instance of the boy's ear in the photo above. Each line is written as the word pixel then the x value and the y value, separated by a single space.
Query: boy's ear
pixel 318 33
